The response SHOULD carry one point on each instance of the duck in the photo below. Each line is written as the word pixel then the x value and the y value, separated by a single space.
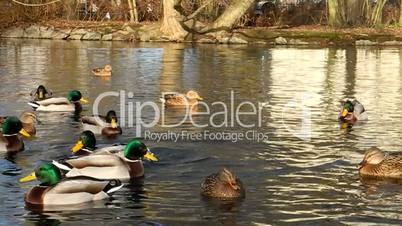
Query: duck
pixel 222 185
pixel 85 145
pixel 40 93
pixel 123 162
pixel 28 120
pixel 377 163
pixel 55 190
pixel 191 98
pixel 105 125
pixel 352 111
pixel 106 71
pixel 10 141
pixel 60 104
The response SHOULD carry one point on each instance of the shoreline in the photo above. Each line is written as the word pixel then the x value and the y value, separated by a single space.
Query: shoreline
pixel 321 36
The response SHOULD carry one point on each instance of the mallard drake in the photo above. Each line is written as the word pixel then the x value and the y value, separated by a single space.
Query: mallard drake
pixel 115 162
pixel 71 103
pixel 352 111
pixel 86 144
pixel 191 98
pixel 54 190
pixel 377 163
pixel 10 141
pixel 40 93
pixel 28 120
pixel 105 125
pixel 103 72
pixel 222 185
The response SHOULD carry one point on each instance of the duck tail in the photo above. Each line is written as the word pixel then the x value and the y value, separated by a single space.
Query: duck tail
pixel 61 166
pixel 34 104
pixel 113 186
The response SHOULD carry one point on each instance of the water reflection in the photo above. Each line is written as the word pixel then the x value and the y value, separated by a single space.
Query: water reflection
pixel 288 180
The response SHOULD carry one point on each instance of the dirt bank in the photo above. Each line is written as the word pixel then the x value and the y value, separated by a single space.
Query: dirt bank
pixel 303 35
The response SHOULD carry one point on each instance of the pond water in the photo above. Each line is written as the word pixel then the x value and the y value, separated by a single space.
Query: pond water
pixel 304 172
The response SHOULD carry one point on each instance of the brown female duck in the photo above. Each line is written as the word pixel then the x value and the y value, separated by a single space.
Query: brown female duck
pixel 222 185
pixel 377 163
pixel 103 72
pixel 191 98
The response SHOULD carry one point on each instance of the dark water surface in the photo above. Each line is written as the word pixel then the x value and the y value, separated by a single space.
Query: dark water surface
pixel 289 180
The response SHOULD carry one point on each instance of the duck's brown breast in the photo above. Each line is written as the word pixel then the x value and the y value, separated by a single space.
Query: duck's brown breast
pixel 135 169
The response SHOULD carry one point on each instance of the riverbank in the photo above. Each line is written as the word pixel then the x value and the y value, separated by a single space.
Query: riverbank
pixel 119 31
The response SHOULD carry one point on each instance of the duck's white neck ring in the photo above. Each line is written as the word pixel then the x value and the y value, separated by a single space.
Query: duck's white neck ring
pixel 10 135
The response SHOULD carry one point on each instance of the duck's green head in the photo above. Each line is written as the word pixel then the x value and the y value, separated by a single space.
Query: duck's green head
pixel 347 107
pixel 47 173
pixel 111 118
pixel 12 126
pixel 75 96
pixel 135 149
pixel 87 140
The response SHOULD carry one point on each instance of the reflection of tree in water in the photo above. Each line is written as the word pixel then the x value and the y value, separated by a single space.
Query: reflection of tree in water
pixel 172 68
pixel 351 58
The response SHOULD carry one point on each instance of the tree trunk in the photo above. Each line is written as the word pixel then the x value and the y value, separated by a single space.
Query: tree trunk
pixel 171 26
pixel 69 6
pixel 230 16
pixel 135 11
pixel 131 10
pixel 334 18
pixel 354 12
pixel 400 13
pixel 376 13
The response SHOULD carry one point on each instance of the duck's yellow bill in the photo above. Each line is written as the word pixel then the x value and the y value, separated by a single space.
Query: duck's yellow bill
pixel 24 133
pixel 83 100
pixel 78 146
pixel 344 112
pixel 40 94
pixel 200 98
pixel 28 178
pixel 114 123
pixel 150 156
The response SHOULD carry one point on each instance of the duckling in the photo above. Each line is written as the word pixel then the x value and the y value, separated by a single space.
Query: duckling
pixel 71 103
pixel 222 185
pixel 105 125
pixel 41 93
pixel 177 99
pixel 103 72
pixel 377 163
pixel 86 144
pixel 10 142
pixel 352 111
pixel 54 190
pixel 115 162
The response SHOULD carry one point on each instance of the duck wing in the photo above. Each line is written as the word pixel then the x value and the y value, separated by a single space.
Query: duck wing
pixel 54 100
pixel 174 99
pixel 358 107
pixel 101 166
pixel 80 190
pixel 91 120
